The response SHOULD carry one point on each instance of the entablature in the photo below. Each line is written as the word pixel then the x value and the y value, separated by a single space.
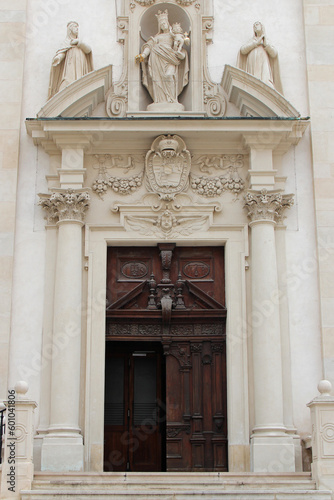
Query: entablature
pixel 108 135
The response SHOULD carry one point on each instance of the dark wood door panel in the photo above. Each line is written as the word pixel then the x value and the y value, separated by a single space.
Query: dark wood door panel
pixel 196 406
pixel 200 269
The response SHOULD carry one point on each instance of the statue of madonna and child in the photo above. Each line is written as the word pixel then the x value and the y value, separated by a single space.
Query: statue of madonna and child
pixel 165 65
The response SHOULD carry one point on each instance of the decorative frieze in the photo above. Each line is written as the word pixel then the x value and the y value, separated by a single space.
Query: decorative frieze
pixel 167 172
pixel 145 3
pixel 267 205
pixel 119 184
pixel 69 204
pixel 209 163
pixel 181 330
pixel 215 186
pixel 185 3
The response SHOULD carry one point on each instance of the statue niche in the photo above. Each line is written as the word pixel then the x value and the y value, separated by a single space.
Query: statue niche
pixel 165 65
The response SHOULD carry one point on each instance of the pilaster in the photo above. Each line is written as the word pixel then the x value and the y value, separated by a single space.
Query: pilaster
pixel 272 450
pixel 72 173
pixel 261 146
pixel 62 448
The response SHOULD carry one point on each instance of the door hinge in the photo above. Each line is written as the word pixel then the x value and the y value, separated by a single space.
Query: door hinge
pixel 128 413
pixel 127 465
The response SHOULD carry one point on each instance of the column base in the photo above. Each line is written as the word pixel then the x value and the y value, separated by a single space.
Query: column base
pixel 272 454
pixel 62 454
pixel 298 451
pixel 37 450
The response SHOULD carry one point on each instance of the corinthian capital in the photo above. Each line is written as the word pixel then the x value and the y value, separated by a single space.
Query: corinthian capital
pixel 267 205
pixel 69 204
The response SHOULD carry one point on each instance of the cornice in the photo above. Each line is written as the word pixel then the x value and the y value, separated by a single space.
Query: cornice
pixel 97 135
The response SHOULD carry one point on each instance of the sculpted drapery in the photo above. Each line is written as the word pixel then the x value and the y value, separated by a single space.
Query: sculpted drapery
pixel 72 61
pixel 164 63
pixel 260 58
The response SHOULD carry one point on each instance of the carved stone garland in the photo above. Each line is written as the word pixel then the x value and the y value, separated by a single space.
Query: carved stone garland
pixel 214 186
pixel 145 3
pixel 121 185
pixel 68 204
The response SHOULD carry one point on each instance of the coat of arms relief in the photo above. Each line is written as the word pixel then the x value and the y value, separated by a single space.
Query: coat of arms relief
pixel 167 166
pixel 176 193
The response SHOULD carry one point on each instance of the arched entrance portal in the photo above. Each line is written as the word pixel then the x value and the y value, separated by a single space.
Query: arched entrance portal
pixel 165 390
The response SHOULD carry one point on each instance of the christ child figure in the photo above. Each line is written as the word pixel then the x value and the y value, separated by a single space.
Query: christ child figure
pixel 179 37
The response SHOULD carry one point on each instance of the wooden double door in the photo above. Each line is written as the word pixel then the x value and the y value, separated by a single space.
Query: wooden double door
pixel 165 384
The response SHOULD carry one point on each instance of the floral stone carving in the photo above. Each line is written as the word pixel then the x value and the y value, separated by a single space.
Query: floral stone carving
pixel 185 3
pixel 145 3
pixel 121 185
pixel 214 186
pixel 167 166
pixel 267 205
pixel 65 205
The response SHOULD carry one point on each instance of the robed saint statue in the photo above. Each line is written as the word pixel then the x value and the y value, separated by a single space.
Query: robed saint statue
pixel 72 61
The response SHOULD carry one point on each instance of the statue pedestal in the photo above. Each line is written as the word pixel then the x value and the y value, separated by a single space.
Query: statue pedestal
pixel 17 467
pixel 322 418
pixel 163 107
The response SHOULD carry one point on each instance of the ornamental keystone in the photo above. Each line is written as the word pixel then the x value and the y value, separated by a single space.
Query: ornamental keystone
pixel 264 205
pixel 70 204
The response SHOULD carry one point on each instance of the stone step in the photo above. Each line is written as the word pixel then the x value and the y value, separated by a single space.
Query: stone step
pixel 174 494
pixel 206 480
pixel 173 486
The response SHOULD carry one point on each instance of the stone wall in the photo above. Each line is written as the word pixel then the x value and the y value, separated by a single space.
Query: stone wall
pixel 12 54
pixel 319 32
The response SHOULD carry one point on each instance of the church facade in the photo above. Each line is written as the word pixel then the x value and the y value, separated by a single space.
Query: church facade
pixel 167 248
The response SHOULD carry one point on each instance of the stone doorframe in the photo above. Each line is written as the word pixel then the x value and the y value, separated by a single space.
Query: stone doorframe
pixel 235 240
